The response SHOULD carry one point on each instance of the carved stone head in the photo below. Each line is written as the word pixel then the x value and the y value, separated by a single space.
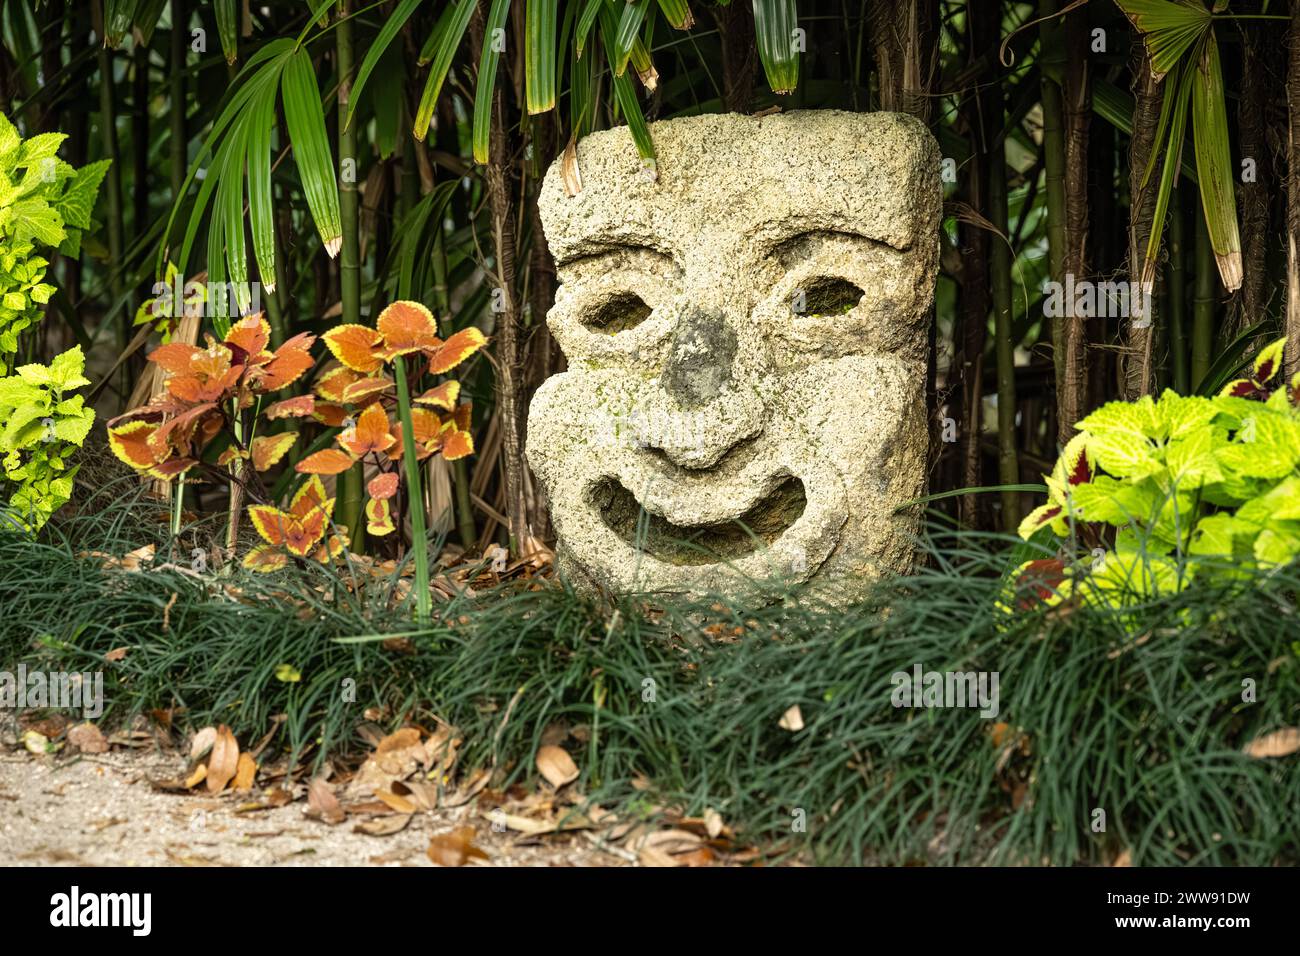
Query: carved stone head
pixel 746 345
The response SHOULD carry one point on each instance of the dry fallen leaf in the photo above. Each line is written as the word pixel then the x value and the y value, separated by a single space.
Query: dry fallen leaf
pixel 245 773
pixel 555 764
pixel 792 719
pixel 36 742
pixel 116 654
pixel 396 757
pixel 223 764
pixel 197 777
pixel 713 823
pixel 383 826
pixel 1124 859
pixel 395 802
pixel 88 738
pixel 322 803
pixel 454 848
pixel 1280 743
pixel 202 742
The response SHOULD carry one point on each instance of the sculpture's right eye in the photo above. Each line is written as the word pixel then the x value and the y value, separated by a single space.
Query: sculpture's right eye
pixel 620 312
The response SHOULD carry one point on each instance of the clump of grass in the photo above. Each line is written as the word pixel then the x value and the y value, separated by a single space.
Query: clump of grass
pixel 1136 711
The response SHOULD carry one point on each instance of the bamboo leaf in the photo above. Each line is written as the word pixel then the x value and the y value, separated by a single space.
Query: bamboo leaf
pixel 629 26
pixel 677 13
pixel 391 26
pixel 260 198
pixel 1177 97
pixel 1168 29
pixel 118 17
pixel 305 118
pixel 494 41
pixel 147 13
pixel 776 23
pixel 539 55
pixel 585 21
pixel 228 27
pixel 449 30
pixel 625 96
pixel 1214 163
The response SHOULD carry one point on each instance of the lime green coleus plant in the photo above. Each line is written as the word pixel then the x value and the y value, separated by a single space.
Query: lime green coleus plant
pixel 43 425
pixel 44 204
pixel 1152 493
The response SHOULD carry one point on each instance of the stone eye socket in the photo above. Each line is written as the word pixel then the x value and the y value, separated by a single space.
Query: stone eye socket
pixel 623 311
pixel 827 295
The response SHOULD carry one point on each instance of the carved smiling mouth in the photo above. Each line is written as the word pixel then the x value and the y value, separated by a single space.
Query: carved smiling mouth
pixel 693 545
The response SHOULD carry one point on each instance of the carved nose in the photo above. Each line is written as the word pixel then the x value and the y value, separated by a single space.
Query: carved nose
pixel 704 419
pixel 700 357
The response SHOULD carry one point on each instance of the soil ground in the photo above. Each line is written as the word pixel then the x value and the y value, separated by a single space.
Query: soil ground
pixel 104 810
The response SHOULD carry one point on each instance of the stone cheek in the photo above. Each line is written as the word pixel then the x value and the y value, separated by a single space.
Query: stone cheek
pixel 705 430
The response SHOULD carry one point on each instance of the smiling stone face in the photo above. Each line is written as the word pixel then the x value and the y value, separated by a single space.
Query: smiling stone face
pixel 746 347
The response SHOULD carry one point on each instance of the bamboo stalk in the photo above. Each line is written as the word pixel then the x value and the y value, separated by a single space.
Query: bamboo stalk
pixel 351 481
pixel 1176 285
pixel 1136 368
pixel 1072 387
pixel 1004 347
pixel 1052 48
pixel 113 178
pixel 1203 303
pixel 176 81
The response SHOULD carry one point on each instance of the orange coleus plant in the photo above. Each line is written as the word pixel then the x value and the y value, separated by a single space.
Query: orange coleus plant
pixel 439 425
pixel 207 391
pixel 304 530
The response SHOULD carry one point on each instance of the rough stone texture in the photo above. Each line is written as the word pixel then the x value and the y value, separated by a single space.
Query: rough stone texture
pixel 728 398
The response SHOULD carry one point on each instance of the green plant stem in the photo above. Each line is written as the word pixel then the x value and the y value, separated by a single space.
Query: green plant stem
pixel 419 536
pixel 351 481
pixel 465 527
pixel 1203 303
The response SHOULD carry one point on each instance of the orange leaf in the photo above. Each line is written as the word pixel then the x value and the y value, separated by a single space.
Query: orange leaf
pixel 364 388
pixel 383 486
pixel 442 396
pixel 406 327
pixel 311 497
pixel 265 557
pixel 269 449
pixel 379 517
pixel 354 345
pixel 174 357
pixel 297 407
pixel 301 534
pixel 331 385
pixel 251 335
pixel 425 425
pixel 328 461
pixel 456 443
pixel 332 548
pixel 330 414
pixel 269 522
pixel 455 350
pixel 370 434
pixel 285 369
pixel 130 443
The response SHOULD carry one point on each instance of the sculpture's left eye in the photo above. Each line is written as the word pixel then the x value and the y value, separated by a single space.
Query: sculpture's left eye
pixel 620 312
pixel 826 295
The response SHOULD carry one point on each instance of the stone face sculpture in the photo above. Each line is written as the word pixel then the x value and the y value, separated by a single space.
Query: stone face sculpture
pixel 746 345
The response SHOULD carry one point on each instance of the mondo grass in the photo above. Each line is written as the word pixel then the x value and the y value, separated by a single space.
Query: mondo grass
pixel 1118 730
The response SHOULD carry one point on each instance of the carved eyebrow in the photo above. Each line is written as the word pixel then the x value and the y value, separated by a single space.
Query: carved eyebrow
pixel 784 246
pixel 595 250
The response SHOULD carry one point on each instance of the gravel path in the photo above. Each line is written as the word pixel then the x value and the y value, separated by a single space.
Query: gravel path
pixel 102 810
